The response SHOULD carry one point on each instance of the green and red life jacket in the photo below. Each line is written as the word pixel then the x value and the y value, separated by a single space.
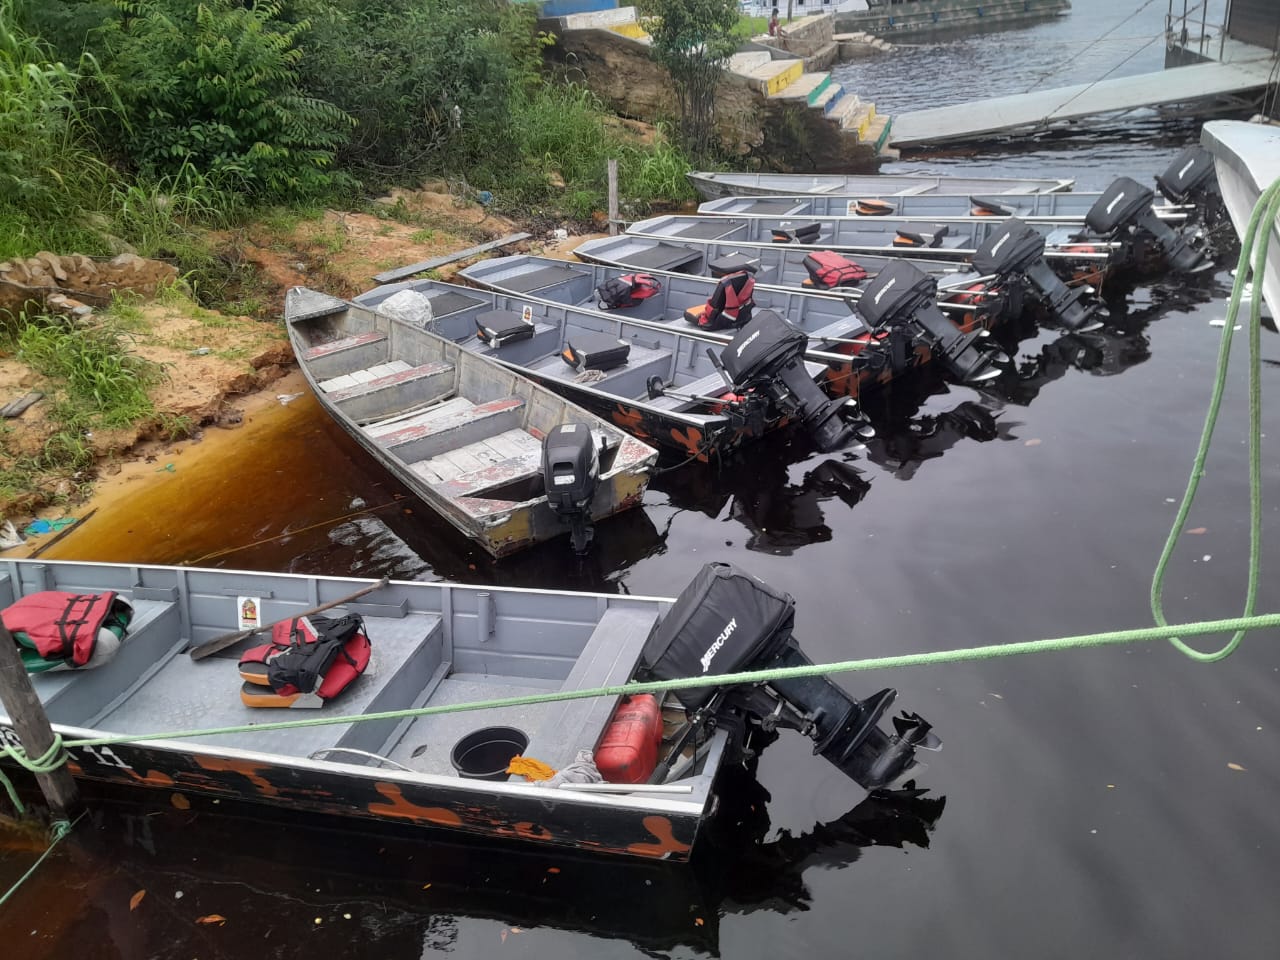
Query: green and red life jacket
pixel 55 629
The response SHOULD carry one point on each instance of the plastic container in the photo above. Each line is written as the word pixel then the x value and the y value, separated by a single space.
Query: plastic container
pixel 484 754
pixel 628 751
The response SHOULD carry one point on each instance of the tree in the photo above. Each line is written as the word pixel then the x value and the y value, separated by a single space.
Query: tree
pixel 693 39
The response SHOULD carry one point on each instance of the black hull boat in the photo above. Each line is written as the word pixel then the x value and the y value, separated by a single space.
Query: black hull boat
pixel 435 646
pixel 471 439
pixel 713 185
pixel 662 382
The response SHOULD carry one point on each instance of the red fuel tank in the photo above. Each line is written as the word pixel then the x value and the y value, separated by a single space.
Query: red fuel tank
pixel 628 751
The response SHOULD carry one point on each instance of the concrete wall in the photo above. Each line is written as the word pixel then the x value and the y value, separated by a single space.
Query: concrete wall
pixel 564 8
pixel 923 17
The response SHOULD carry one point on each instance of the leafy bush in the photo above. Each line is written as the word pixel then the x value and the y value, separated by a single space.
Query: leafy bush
pixel 213 86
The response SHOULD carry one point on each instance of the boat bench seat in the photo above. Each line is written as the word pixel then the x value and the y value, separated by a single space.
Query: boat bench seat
pixel 432 436
pixel 712 385
pixel 476 482
pixel 339 357
pixel 374 397
pixel 609 658
pixel 77 696
pixel 629 379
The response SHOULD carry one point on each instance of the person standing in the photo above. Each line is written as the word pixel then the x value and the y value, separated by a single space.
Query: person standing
pixel 773 23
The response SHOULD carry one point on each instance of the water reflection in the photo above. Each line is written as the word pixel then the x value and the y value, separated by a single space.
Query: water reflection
pixel 279 881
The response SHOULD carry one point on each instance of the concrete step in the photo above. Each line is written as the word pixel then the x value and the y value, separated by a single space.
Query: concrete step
pixel 775 76
pixel 804 85
pixel 743 63
pixel 827 96
pixel 838 109
pixel 630 29
pixel 878 131
pixel 859 120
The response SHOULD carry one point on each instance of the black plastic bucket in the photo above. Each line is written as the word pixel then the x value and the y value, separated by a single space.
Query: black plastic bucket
pixel 484 754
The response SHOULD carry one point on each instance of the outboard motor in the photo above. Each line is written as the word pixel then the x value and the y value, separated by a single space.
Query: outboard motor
pixel 1126 206
pixel 727 621
pixel 1190 178
pixel 570 472
pixel 904 296
pixel 1017 248
pixel 767 355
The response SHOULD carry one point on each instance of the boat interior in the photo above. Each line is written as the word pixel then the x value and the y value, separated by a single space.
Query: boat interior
pixel 469 430
pixel 575 284
pixel 433 644
pixel 632 353
pixel 883 184
pixel 1070 207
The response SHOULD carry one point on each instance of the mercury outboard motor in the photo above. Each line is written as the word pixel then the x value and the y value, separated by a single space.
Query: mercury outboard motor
pixel 727 621
pixel 1017 248
pixel 904 296
pixel 1126 206
pixel 767 355
pixel 570 472
pixel 1189 178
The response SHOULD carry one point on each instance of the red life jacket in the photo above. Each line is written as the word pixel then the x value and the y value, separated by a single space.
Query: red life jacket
pixel 828 270
pixel 730 303
pixel 308 661
pixel 62 626
pixel 628 290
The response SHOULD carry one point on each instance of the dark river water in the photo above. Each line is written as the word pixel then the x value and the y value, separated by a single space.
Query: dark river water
pixel 1114 803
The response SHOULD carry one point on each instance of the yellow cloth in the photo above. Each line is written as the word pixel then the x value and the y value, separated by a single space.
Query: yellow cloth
pixel 530 768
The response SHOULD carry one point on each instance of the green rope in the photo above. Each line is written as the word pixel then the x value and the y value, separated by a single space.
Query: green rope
pixel 47 762
pixel 59 830
pixel 1264 215
pixel 963 654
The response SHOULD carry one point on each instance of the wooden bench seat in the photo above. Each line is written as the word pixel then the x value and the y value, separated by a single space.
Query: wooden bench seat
pixel 423 440
pixel 398 389
pixel 338 357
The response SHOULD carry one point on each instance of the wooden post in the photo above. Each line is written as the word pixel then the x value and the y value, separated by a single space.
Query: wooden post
pixel 613 198
pixel 28 719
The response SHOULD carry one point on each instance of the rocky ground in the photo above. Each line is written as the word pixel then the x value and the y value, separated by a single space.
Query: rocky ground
pixel 214 362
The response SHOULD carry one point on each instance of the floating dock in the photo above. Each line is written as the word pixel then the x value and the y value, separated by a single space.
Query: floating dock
pixel 1202 87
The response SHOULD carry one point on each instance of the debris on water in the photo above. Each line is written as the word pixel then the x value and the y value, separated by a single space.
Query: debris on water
pixel 136 899
pixel 9 536
pixel 1033 442
pixel 167 468
pixel 1207 557
pixel 1235 766
pixel 1196 531
pixel 177 894
pixel 1170 500
pixel 287 398
pixel 217 918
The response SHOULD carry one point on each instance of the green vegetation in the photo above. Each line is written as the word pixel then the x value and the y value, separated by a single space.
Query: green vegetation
pixel 693 39
pixel 748 27
pixel 146 122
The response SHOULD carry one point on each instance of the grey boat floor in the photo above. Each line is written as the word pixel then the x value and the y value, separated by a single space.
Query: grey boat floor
pixel 436 735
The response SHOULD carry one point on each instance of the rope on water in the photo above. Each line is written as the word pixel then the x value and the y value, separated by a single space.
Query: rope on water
pixel 59 830
pixel 1264 215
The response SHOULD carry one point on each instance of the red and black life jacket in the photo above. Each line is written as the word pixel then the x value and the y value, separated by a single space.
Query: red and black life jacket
pixel 729 305
pixel 828 270
pixel 63 627
pixel 308 661
pixel 628 290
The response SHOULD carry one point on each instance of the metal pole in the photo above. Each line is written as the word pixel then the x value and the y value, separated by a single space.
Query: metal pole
pixel 613 203
pixel 27 716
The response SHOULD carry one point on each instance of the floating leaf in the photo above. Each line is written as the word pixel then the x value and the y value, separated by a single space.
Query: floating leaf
pixel 553 869
pixel 1033 442
pixel 503 934
pixel 698 921
pixel 1234 766
pixel 1198 530
pixel 180 801
pixel 426 886
pixel 217 918
pixel 136 899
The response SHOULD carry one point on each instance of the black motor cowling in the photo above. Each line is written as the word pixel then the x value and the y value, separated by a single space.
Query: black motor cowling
pixel 903 295
pixel 570 473
pixel 1190 177
pixel 767 355
pixel 727 621
pixel 1126 205
pixel 1018 249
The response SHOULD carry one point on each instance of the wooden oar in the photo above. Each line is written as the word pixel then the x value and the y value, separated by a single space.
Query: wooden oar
pixel 207 649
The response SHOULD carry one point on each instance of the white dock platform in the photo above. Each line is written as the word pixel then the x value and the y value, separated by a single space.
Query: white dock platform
pixel 1042 109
